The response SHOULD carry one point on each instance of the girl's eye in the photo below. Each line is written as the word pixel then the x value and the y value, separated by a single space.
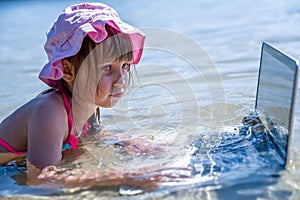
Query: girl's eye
pixel 126 66
pixel 106 67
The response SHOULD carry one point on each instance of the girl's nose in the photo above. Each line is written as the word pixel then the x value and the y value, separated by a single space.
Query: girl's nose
pixel 120 79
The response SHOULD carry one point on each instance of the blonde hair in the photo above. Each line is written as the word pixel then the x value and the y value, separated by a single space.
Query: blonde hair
pixel 116 47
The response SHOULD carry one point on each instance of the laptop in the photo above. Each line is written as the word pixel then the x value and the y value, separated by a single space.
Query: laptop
pixel 276 95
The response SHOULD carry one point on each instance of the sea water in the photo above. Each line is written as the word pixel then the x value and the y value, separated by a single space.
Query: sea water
pixel 194 90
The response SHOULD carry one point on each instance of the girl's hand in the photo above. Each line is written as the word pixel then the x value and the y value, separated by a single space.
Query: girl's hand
pixel 111 177
pixel 141 146
pixel 132 146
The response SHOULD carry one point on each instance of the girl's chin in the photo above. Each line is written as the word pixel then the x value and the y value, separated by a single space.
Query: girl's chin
pixel 108 104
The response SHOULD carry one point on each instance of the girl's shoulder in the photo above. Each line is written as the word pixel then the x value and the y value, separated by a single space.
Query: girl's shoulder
pixel 48 113
pixel 48 105
pixel 42 105
pixel 45 114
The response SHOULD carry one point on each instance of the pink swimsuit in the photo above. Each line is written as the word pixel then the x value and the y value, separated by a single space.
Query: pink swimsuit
pixel 70 143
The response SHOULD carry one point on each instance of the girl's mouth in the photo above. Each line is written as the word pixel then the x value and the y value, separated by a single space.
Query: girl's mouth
pixel 117 95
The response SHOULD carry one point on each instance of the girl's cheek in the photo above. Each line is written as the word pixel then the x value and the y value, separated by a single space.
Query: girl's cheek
pixel 102 83
pixel 105 77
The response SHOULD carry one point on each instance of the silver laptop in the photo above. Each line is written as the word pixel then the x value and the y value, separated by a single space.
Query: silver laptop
pixel 276 94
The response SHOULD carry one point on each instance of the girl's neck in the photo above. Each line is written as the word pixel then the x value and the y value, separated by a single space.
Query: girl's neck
pixel 65 89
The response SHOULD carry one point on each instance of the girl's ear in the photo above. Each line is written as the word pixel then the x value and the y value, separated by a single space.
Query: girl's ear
pixel 69 72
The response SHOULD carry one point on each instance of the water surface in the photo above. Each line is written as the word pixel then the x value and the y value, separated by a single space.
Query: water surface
pixel 227 161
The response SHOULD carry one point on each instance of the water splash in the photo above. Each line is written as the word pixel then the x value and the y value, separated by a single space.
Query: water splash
pixel 242 155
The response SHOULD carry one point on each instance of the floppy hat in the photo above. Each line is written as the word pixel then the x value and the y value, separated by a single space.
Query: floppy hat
pixel 65 37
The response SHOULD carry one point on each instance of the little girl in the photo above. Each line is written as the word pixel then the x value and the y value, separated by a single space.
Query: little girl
pixel 90 52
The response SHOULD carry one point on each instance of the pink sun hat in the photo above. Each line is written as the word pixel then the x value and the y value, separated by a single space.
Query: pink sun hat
pixel 65 37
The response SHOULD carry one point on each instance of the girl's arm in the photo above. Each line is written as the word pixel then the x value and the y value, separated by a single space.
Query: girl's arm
pixel 47 129
pixel 149 179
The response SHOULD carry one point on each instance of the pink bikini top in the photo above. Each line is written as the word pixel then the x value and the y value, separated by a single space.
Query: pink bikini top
pixel 72 141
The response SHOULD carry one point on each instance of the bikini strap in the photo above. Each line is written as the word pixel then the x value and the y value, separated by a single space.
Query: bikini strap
pixel 11 149
pixel 71 142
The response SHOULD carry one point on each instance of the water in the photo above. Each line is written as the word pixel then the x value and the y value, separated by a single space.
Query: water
pixel 206 107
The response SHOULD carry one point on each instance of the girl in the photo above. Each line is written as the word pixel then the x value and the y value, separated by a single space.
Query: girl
pixel 90 52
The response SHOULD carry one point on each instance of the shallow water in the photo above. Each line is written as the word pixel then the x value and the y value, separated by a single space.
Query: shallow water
pixel 198 108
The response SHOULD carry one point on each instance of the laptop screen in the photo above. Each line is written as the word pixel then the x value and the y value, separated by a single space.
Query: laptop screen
pixel 276 89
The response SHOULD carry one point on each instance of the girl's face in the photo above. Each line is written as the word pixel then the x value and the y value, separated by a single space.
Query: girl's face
pixel 112 83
